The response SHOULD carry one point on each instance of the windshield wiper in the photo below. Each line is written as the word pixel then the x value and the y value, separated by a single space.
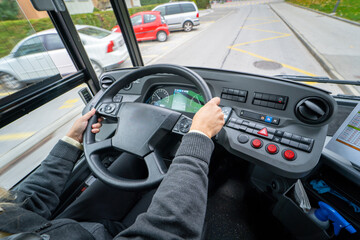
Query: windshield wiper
pixel 318 79
pixel 342 96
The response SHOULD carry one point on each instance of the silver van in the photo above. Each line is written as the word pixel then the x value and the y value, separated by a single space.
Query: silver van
pixel 180 15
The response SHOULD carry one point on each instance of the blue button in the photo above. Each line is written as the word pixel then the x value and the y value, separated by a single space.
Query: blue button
pixel 268 119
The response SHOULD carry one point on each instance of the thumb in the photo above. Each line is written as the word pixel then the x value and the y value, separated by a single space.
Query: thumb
pixel 89 114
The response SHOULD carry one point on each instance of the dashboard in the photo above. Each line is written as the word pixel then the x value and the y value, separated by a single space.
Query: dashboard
pixel 277 124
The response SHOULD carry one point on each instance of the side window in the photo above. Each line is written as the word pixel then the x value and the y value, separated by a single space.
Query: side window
pixel 173 9
pixel 30 46
pixel 161 10
pixel 137 20
pixel 24 61
pixel 53 42
pixel 148 18
pixel 188 7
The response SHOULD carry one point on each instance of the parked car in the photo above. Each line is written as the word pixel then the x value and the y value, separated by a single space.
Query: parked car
pixel 43 54
pixel 180 15
pixel 148 25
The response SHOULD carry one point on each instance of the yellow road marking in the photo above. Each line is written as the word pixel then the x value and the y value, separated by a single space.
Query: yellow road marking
pixel 72 100
pixel 69 103
pixel 257 24
pixel 260 40
pixel 263 19
pixel 15 136
pixel 6 94
pixel 263 30
pixel 281 35
pixel 282 64
pixel 66 106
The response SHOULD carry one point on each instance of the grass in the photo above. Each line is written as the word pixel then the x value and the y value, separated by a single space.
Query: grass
pixel 349 9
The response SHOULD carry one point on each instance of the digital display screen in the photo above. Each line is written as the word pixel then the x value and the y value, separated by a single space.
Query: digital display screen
pixel 184 100
pixel 346 140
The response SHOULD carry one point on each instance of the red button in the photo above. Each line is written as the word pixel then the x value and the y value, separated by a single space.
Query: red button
pixel 289 155
pixel 271 148
pixel 263 132
pixel 256 143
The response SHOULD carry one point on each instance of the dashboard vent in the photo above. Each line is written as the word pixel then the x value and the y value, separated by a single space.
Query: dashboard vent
pixel 313 110
pixel 106 81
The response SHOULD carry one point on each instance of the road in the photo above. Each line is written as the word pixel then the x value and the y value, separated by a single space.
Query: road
pixel 242 36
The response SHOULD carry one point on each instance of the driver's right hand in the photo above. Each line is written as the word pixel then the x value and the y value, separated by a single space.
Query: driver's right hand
pixel 209 119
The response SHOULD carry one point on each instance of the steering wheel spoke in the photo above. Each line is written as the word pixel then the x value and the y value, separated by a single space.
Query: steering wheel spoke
pixel 99 146
pixel 156 167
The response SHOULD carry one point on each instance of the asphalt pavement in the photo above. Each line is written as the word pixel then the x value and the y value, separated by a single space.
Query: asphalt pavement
pixel 335 42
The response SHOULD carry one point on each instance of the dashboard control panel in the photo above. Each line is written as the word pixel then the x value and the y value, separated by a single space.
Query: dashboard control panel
pixel 259 117
pixel 277 136
pixel 232 94
pixel 270 100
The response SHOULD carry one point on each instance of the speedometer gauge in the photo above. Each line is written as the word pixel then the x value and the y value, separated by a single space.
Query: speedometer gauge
pixel 160 95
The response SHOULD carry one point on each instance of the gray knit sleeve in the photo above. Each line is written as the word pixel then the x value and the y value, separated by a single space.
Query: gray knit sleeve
pixel 178 208
pixel 41 190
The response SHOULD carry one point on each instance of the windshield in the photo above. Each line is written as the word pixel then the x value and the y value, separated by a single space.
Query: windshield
pixel 310 38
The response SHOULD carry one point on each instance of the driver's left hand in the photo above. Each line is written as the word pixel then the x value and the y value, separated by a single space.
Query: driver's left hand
pixel 77 130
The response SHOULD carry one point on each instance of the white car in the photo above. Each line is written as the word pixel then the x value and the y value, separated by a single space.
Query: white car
pixel 43 54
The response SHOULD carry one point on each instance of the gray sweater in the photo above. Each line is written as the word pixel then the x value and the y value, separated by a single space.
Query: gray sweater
pixel 177 210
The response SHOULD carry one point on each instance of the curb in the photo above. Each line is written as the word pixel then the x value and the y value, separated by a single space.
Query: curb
pixel 325 64
pixel 326 14
pixel 15 154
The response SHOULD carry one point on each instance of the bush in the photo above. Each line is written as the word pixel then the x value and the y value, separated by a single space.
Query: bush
pixel 152 2
pixel 8 10
pixel 202 4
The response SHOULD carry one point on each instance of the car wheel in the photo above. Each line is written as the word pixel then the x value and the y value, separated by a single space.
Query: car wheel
pixel 188 26
pixel 161 36
pixel 10 82
pixel 97 68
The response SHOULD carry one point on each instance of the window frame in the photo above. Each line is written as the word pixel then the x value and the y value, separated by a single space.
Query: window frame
pixel 24 101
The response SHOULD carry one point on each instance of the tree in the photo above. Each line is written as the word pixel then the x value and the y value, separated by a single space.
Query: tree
pixel 9 10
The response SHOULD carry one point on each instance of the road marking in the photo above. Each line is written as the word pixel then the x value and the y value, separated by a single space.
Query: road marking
pixel 280 35
pixel 6 94
pixel 263 23
pixel 263 19
pixel 282 64
pixel 69 103
pixel 15 136
pixel 261 40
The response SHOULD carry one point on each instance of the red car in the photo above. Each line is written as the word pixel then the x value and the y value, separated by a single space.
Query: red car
pixel 149 25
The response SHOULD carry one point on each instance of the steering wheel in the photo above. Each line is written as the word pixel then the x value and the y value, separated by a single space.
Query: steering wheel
pixel 139 128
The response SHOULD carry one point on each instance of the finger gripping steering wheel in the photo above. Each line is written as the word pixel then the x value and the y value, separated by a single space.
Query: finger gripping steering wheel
pixel 139 128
